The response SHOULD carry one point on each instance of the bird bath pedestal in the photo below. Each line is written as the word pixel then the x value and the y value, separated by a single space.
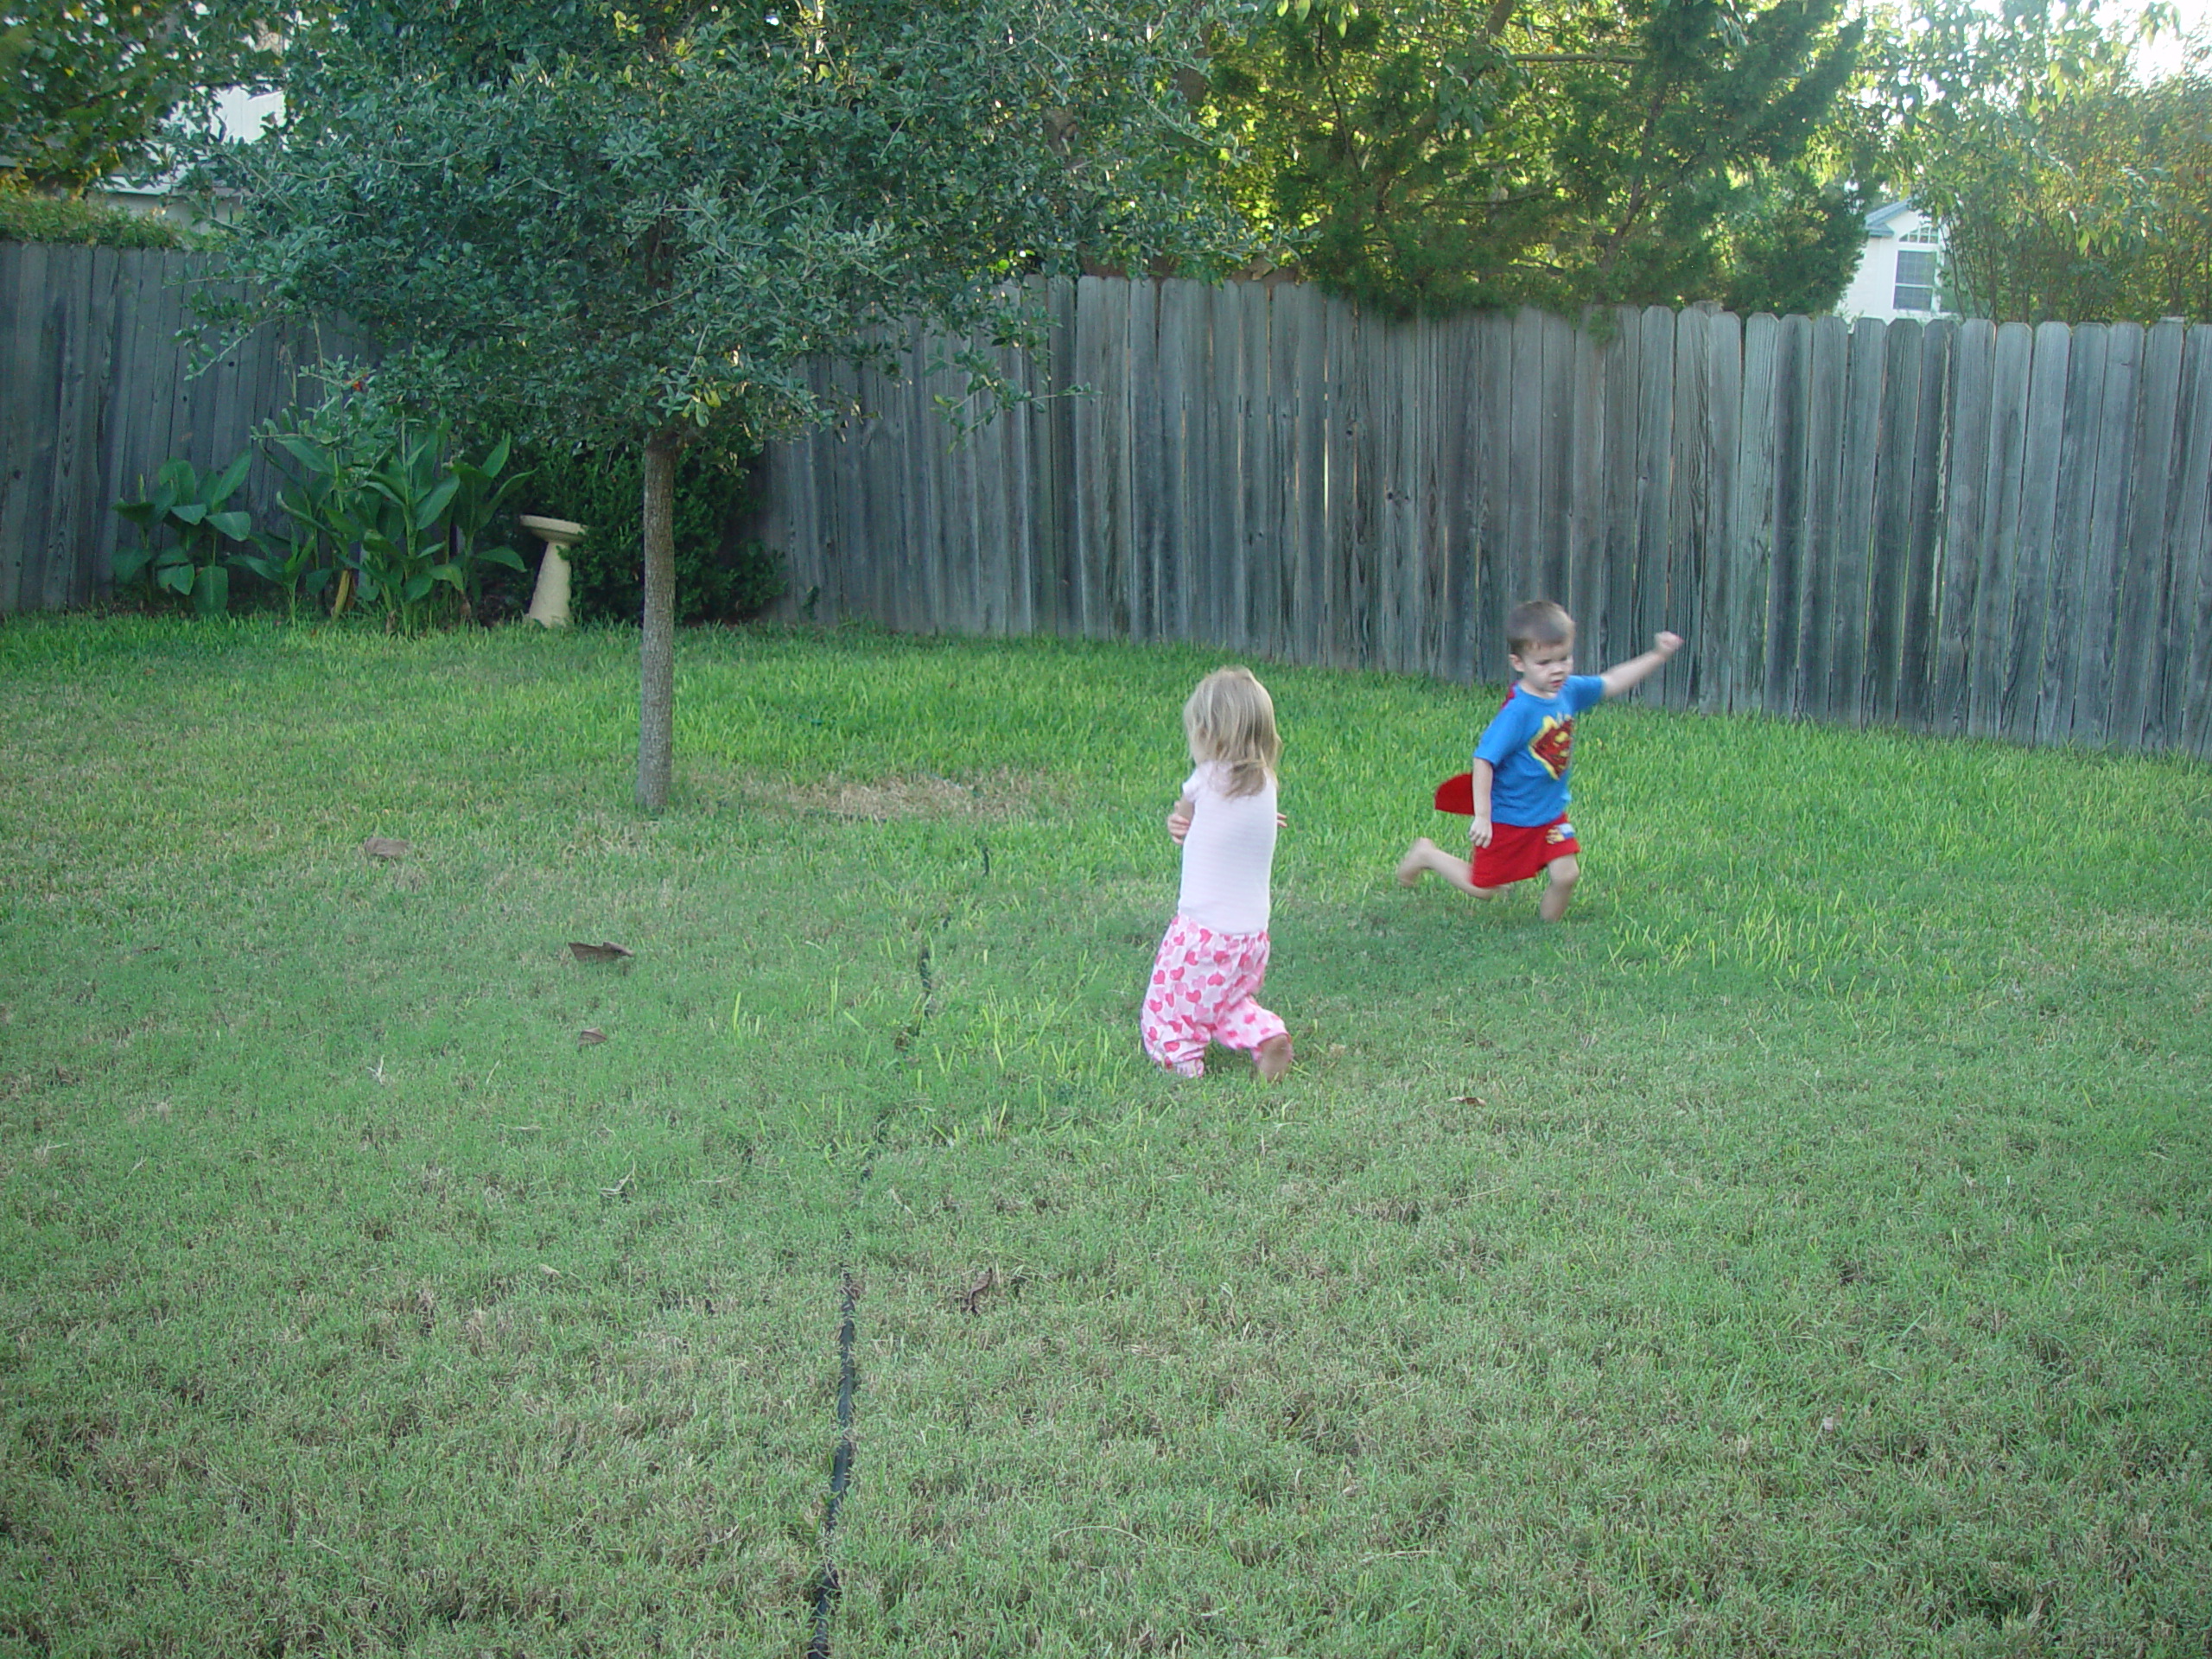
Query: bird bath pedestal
pixel 548 604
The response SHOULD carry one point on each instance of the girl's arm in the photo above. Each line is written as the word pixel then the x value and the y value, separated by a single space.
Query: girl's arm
pixel 1179 820
pixel 1621 676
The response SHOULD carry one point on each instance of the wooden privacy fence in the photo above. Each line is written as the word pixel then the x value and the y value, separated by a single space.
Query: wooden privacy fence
pixel 2005 532
pixel 96 392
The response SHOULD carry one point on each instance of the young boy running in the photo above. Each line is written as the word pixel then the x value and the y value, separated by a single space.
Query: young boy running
pixel 1521 764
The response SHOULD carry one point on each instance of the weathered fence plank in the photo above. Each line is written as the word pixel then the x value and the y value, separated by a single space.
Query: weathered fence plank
pixel 1111 544
pixel 1827 390
pixel 1974 370
pixel 2189 682
pixel 2114 487
pixel 30 379
pixel 2070 529
pixel 1655 480
pixel 1889 559
pixel 1996 599
pixel 1688 525
pixel 1349 555
pixel 2140 601
pixel 1917 640
pixel 1749 551
pixel 1847 597
pixel 1624 413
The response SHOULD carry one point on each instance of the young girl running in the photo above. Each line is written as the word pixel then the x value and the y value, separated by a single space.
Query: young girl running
pixel 1215 956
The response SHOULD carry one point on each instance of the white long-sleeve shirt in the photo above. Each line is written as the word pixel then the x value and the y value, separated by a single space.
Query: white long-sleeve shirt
pixel 1229 855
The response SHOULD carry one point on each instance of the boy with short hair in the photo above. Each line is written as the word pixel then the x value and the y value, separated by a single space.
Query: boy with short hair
pixel 1520 774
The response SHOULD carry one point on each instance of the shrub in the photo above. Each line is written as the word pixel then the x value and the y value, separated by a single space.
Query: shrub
pixel 27 217
pixel 719 578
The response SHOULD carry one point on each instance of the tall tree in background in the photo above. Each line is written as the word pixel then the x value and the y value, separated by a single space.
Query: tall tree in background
pixel 631 227
pixel 89 87
pixel 1424 154
pixel 2067 188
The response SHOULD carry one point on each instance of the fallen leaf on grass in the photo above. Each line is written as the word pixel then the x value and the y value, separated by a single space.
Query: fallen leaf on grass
pixel 1469 1100
pixel 550 1272
pixel 384 847
pixel 589 1035
pixel 602 952
pixel 973 1297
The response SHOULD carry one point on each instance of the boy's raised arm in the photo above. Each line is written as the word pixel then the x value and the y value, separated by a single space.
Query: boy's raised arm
pixel 1621 676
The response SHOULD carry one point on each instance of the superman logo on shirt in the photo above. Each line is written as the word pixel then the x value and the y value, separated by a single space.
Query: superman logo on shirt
pixel 1551 745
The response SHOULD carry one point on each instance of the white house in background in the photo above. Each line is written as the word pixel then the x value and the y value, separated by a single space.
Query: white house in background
pixel 237 115
pixel 1898 270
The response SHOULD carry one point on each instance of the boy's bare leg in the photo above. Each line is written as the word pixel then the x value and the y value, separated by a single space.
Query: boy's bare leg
pixel 1425 857
pixel 1558 891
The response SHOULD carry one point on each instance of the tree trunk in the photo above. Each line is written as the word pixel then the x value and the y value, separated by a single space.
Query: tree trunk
pixel 656 648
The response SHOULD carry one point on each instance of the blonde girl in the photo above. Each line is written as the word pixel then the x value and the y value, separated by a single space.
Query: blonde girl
pixel 1215 956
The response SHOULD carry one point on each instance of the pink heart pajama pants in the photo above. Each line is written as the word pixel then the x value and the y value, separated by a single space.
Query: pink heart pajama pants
pixel 1201 991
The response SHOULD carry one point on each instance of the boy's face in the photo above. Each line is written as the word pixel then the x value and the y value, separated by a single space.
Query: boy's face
pixel 1545 668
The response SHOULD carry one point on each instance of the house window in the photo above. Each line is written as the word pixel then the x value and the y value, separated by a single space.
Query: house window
pixel 1915 288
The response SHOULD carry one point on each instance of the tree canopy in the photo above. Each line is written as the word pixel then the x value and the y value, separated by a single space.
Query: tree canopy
pixel 2068 188
pixel 1424 154
pixel 632 226
pixel 89 87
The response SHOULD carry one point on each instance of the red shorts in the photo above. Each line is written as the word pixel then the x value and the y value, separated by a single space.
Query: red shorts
pixel 1517 851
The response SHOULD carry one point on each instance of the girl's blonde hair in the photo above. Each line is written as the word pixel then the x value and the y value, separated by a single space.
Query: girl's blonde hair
pixel 1232 718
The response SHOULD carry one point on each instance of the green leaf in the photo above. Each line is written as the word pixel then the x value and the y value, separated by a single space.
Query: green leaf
pixel 434 506
pixel 211 591
pixel 310 455
pixel 236 526
pixel 233 475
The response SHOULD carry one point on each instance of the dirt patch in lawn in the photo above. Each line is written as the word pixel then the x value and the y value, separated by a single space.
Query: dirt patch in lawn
pixel 994 799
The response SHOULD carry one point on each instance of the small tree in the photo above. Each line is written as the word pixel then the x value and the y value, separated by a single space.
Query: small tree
pixel 633 227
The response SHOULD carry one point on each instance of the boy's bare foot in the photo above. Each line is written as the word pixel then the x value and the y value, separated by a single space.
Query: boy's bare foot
pixel 1271 1059
pixel 1414 864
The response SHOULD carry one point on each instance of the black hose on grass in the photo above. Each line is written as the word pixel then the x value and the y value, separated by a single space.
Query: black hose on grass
pixel 841 1464
pixel 840 1476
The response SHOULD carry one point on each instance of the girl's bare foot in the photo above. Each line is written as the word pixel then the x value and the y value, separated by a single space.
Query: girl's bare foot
pixel 1416 863
pixel 1271 1059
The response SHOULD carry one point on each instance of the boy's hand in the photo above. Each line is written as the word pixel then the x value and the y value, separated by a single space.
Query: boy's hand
pixel 1478 832
pixel 1667 644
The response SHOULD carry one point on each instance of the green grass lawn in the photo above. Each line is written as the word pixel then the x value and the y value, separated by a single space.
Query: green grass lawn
pixel 1804 1250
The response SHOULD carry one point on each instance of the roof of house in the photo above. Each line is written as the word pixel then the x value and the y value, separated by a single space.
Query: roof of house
pixel 1882 221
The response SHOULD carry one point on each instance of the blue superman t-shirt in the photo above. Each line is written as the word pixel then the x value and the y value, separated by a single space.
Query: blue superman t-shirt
pixel 1528 744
